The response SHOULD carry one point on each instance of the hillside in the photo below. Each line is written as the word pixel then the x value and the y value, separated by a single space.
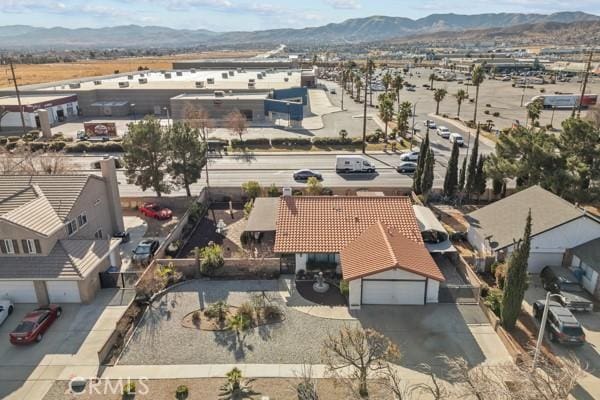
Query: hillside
pixel 369 29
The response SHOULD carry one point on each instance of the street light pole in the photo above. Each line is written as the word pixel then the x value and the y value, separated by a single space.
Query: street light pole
pixel 367 79
pixel 413 133
pixel 542 329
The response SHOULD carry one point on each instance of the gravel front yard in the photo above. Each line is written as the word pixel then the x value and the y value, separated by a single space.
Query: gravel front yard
pixel 160 338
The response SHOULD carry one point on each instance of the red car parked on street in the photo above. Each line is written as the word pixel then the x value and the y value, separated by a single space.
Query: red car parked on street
pixel 35 324
pixel 156 211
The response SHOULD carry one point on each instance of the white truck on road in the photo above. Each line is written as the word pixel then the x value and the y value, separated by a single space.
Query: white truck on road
pixel 353 163
pixel 567 101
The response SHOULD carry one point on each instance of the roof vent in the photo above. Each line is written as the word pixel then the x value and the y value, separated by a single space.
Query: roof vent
pixel 287 192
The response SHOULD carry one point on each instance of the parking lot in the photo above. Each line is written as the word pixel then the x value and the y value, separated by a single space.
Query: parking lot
pixel 422 332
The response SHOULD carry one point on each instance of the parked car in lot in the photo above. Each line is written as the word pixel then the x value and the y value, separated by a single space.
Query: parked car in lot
pixel 6 308
pixel 561 281
pixel 332 91
pixel 457 137
pixel 35 324
pixel 143 253
pixel 407 167
pixel 443 132
pixel 562 326
pixel 409 156
pixel 154 210
pixel 304 174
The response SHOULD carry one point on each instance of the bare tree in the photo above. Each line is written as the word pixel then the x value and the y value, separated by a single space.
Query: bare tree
pixel 550 380
pixel 22 161
pixel 198 118
pixel 593 115
pixel 358 352
pixel 306 389
pixel 237 123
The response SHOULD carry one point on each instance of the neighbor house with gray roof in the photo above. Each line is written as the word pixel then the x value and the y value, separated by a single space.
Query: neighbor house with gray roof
pixel 56 235
pixel 557 225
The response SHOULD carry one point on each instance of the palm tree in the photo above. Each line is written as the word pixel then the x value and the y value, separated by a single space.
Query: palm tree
pixel 431 79
pixel 477 78
pixel 397 85
pixel 387 81
pixel 438 96
pixel 386 111
pixel 358 83
pixel 534 110
pixel 460 96
pixel 369 73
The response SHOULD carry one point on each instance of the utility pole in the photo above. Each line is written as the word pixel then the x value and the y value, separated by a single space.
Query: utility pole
pixel 585 81
pixel 367 78
pixel 14 80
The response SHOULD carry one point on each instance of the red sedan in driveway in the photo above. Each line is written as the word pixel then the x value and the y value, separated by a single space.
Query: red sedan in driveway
pixel 156 211
pixel 35 324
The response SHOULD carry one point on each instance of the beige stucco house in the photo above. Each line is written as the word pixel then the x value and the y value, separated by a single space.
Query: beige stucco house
pixel 56 235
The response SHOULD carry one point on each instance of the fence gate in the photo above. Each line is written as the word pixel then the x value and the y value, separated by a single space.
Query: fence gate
pixel 119 279
pixel 459 294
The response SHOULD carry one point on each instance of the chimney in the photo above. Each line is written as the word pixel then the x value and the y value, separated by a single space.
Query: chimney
pixel 44 123
pixel 287 192
pixel 109 173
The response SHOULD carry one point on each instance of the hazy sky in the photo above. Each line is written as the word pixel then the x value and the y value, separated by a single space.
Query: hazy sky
pixel 228 15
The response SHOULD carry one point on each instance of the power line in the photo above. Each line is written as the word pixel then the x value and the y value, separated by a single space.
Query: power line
pixel 14 81
pixel 585 81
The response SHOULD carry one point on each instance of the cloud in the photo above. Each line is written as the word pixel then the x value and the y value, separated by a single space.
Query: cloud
pixel 344 4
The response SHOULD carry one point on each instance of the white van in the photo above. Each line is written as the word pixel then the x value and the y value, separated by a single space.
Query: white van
pixel 457 137
pixel 353 163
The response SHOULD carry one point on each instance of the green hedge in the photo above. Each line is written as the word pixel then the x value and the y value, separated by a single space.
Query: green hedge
pixel 237 143
pixel 291 142
pixel 105 147
pixel 331 141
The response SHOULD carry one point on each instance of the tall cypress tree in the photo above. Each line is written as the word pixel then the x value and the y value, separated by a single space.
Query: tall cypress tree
pixel 463 172
pixel 451 178
pixel 516 279
pixel 480 177
pixel 420 165
pixel 427 179
pixel 472 169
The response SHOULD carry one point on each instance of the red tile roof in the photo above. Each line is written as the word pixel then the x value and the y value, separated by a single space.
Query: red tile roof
pixel 327 224
pixel 380 248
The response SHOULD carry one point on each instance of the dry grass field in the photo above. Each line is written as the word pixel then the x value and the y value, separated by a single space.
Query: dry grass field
pixel 40 73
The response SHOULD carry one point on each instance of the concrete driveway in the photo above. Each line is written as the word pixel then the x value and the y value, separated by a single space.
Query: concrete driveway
pixel 422 332
pixel 588 354
pixel 74 339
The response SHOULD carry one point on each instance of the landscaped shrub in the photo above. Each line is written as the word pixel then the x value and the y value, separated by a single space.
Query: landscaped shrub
pixel 487 112
pixel 271 312
pixel 111 147
pixel 496 114
pixel 57 146
pixel 217 310
pixel 500 275
pixel 488 105
pixel 273 191
pixel 549 126
pixel 3 140
pixel 371 138
pixel 129 389
pixel 13 139
pixel 211 259
pixel 485 290
pixel 196 317
pixel 78 147
pixel 247 310
pixel 542 90
pixel 494 301
pixel 344 288
pixel 343 134
pixel 238 144
pixel 182 392
pixel 106 147
pixel 37 146
pixel 445 115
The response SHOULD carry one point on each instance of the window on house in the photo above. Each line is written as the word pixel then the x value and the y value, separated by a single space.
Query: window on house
pixel 98 234
pixel 82 220
pixel 31 246
pixel 9 246
pixel 72 227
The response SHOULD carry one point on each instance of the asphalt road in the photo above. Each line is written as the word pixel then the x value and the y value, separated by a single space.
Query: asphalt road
pixel 232 171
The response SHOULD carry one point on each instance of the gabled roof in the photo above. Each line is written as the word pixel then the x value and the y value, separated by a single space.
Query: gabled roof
pixel 69 259
pixel 380 248
pixel 327 224
pixel 61 191
pixel 504 220
pixel 589 253
pixel 263 217
pixel 36 215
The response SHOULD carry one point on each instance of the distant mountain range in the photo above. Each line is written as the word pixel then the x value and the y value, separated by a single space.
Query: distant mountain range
pixel 369 29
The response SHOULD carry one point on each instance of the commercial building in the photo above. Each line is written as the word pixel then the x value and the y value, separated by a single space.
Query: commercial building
pixel 60 108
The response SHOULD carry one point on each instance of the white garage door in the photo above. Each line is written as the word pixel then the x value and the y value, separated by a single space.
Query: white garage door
pixel 63 292
pixel 537 261
pixel 393 292
pixel 18 291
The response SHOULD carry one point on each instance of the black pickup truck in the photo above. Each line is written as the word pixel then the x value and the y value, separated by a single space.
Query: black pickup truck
pixel 562 281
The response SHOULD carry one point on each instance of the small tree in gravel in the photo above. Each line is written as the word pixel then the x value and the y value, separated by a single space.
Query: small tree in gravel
pixel 313 186
pixel 361 352
pixel 236 387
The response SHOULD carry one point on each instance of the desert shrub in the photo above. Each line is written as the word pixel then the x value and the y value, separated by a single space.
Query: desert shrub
pixel 196 317
pixel 129 388
pixel 57 146
pixel 3 140
pixel 246 309
pixel 371 138
pixel 494 301
pixel 471 124
pixel 487 112
pixel 37 146
pixel 496 114
pixel 13 139
pixel 58 136
pixel 549 126
pixel 217 310
pixel 78 147
pixel 273 191
pixel 112 147
pixel 488 105
pixel 542 90
pixel 271 312
pixel 444 115
pixel 182 392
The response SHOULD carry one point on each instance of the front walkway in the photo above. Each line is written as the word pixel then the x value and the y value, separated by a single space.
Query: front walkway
pixel 295 300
